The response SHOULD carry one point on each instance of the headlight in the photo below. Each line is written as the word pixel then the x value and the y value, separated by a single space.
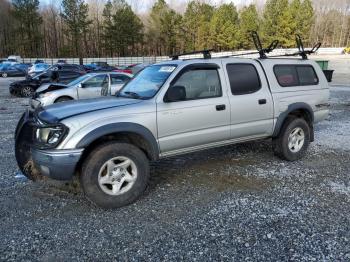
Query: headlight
pixel 50 136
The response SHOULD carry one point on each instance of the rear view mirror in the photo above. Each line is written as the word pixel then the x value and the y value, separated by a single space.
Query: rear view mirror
pixel 175 93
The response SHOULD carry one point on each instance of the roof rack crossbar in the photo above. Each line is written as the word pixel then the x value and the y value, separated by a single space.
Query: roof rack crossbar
pixel 206 54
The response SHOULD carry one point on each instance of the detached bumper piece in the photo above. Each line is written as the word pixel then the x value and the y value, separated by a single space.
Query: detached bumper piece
pixel 56 164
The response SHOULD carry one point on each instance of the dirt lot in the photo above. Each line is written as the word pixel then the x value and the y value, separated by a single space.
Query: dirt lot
pixel 234 203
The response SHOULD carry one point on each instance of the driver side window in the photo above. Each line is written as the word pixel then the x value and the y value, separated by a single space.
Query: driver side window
pixel 96 81
pixel 200 83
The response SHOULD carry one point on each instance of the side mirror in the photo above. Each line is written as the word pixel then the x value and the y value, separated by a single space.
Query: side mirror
pixel 175 93
pixel 80 85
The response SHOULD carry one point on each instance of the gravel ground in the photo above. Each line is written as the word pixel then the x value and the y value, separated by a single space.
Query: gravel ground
pixel 234 203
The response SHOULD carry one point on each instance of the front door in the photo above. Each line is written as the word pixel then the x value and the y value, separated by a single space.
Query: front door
pixel 201 117
pixel 91 88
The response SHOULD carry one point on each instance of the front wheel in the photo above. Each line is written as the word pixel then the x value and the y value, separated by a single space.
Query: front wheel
pixel 27 91
pixel 293 140
pixel 4 75
pixel 115 174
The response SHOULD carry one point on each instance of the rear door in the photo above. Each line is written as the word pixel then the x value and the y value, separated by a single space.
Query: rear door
pixel 202 117
pixel 92 87
pixel 251 100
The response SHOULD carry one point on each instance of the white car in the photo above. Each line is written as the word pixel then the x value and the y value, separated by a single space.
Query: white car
pixel 87 86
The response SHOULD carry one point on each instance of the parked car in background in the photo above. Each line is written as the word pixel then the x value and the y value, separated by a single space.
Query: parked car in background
pixel 14 59
pixel 99 67
pixel 87 86
pixel 37 68
pixel 39 61
pixel 126 69
pixel 71 67
pixel 57 74
pixel 61 61
pixel 2 60
pixel 24 66
pixel 8 69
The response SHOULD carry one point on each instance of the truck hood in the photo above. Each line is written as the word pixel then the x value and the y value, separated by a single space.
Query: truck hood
pixel 57 112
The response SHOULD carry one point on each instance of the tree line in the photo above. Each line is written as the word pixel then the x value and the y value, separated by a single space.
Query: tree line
pixel 94 28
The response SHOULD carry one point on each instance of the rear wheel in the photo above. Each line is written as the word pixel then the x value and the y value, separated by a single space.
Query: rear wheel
pixel 4 75
pixel 115 174
pixel 27 91
pixel 293 140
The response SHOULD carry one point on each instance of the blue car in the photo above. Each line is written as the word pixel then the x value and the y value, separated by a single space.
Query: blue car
pixel 7 70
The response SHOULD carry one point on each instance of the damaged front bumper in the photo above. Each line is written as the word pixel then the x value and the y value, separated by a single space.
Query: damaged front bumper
pixel 36 163
pixel 56 164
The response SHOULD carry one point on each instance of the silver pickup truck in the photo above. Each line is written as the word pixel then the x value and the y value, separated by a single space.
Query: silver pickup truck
pixel 173 108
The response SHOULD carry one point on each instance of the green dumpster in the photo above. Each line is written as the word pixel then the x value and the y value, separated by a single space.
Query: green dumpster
pixel 323 64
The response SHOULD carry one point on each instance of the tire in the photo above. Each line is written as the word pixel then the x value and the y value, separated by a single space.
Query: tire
pixel 4 75
pixel 289 144
pixel 27 91
pixel 97 185
pixel 23 154
pixel 62 99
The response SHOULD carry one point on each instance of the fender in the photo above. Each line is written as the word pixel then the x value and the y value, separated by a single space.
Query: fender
pixel 292 107
pixel 122 127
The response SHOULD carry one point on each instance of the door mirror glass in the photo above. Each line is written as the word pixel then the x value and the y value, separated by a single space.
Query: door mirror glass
pixel 175 93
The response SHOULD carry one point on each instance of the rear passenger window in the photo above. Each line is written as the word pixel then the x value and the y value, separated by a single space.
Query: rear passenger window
pixel 244 78
pixel 295 75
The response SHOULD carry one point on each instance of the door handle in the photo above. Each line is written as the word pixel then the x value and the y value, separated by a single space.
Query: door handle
pixel 220 107
pixel 262 101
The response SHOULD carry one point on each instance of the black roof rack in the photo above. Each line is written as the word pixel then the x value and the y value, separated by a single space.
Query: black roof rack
pixel 301 51
pixel 206 54
pixel 260 50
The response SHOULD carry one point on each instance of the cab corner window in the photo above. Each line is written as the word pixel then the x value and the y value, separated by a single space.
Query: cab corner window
pixel 295 75
pixel 244 79
pixel 199 83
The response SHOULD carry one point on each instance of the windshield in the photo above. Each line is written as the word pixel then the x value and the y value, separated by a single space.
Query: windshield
pixel 78 80
pixel 41 66
pixel 147 83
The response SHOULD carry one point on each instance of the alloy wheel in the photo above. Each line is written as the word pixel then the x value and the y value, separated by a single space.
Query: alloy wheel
pixel 117 175
pixel 296 140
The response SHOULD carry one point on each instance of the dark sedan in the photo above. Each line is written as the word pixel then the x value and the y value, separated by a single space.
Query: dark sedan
pixel 27 87
pixel 11 70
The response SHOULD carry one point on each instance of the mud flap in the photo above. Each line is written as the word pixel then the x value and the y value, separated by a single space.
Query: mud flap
pixel 24 138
